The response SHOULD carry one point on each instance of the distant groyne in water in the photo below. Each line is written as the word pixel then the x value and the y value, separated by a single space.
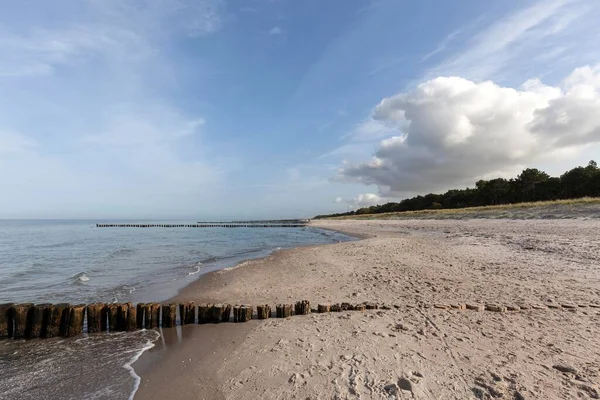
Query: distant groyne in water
pixel 287 223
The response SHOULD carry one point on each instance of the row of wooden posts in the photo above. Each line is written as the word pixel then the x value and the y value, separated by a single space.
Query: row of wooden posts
pixel 50 320
pixel 217 225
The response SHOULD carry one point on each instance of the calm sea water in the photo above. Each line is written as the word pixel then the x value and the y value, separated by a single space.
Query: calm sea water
pixel 73 261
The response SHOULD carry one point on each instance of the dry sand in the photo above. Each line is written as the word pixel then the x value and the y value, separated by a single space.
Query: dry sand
pixel 414 351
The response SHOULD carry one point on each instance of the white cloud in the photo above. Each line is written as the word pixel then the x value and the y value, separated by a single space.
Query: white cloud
pixel 275 31
pixel 459 130
pixel 365 200
pixel 338 200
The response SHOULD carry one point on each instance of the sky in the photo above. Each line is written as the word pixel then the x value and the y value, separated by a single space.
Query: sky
pixel 280 108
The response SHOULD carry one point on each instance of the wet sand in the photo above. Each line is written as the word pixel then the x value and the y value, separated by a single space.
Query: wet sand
pixel 414 350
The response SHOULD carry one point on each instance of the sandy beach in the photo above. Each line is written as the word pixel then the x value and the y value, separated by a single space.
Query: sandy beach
pixel 413 350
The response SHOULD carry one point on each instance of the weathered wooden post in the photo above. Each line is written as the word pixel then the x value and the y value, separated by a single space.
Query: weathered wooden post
pixel 263 311
pixel 204 313
pixel 242 313
pixel 131 323
pixel 152 316
pixel 35 321
pixel 122 311
pixel 6 324
pixel 217 313
pixel 94 318
pixel 19 314
pixel 57 317
pixel 284 310
pixel 113 317
pixel 191 313
pixel 140 310
pixel 169 315
pixel 226 313
pixel 245 313
pixel 302 307
pixel 323 308
pixel 182 307
pixel 104 316
pixel 75 324
pixel 187 312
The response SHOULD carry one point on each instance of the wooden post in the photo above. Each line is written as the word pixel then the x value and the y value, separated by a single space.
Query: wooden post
pixel 19 313
pixel 6 324
pixel 113 317
pixel 242 313
pixel 226 313
pixel 104 317
pixel 131 323
pixel 122 311
pixel 187 312
pixel 147 315
pixel 140 310
pixel 245 313
pixel 263 311
pixel 360 307
pixel 169 315
pixel 94 318
pixel 216 313
pixel 284 310
pixel 204 313
pixel 75 324
pixel 56 320
pixel 191 313
pixel 323 308
pixel 152 317
pixel 35 321
pixel 302 307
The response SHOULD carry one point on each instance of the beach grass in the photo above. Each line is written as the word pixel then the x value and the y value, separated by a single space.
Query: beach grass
pixel 555 209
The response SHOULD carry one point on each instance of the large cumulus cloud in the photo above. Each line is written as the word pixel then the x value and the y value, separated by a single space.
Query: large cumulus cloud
pixel 455 131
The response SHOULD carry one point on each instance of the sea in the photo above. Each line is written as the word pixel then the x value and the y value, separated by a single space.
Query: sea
pixel 73 261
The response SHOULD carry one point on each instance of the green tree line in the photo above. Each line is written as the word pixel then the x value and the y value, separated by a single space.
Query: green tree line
pixel 531 185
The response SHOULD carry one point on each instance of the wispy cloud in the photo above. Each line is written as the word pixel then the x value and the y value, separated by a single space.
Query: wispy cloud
pixel 522 39
pixel 103 74
pixel 275 31
pixel 443 44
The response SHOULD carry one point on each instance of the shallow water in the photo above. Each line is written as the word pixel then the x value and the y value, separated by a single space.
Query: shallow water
pixel 91 367
pixel 73 261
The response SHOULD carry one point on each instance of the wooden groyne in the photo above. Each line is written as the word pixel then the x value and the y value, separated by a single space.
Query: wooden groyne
pixel 29 321
pixel 204 225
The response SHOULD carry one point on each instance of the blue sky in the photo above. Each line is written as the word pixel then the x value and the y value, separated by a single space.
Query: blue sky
pixel 281 108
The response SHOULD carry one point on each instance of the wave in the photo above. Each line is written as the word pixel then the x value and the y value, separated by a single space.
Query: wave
pixel 198 269
pixel 80 278
pixel 136 378
pixel 120 253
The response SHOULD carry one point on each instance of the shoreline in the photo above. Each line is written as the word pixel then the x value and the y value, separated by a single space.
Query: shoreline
pixel 170 346
pixel 378 354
